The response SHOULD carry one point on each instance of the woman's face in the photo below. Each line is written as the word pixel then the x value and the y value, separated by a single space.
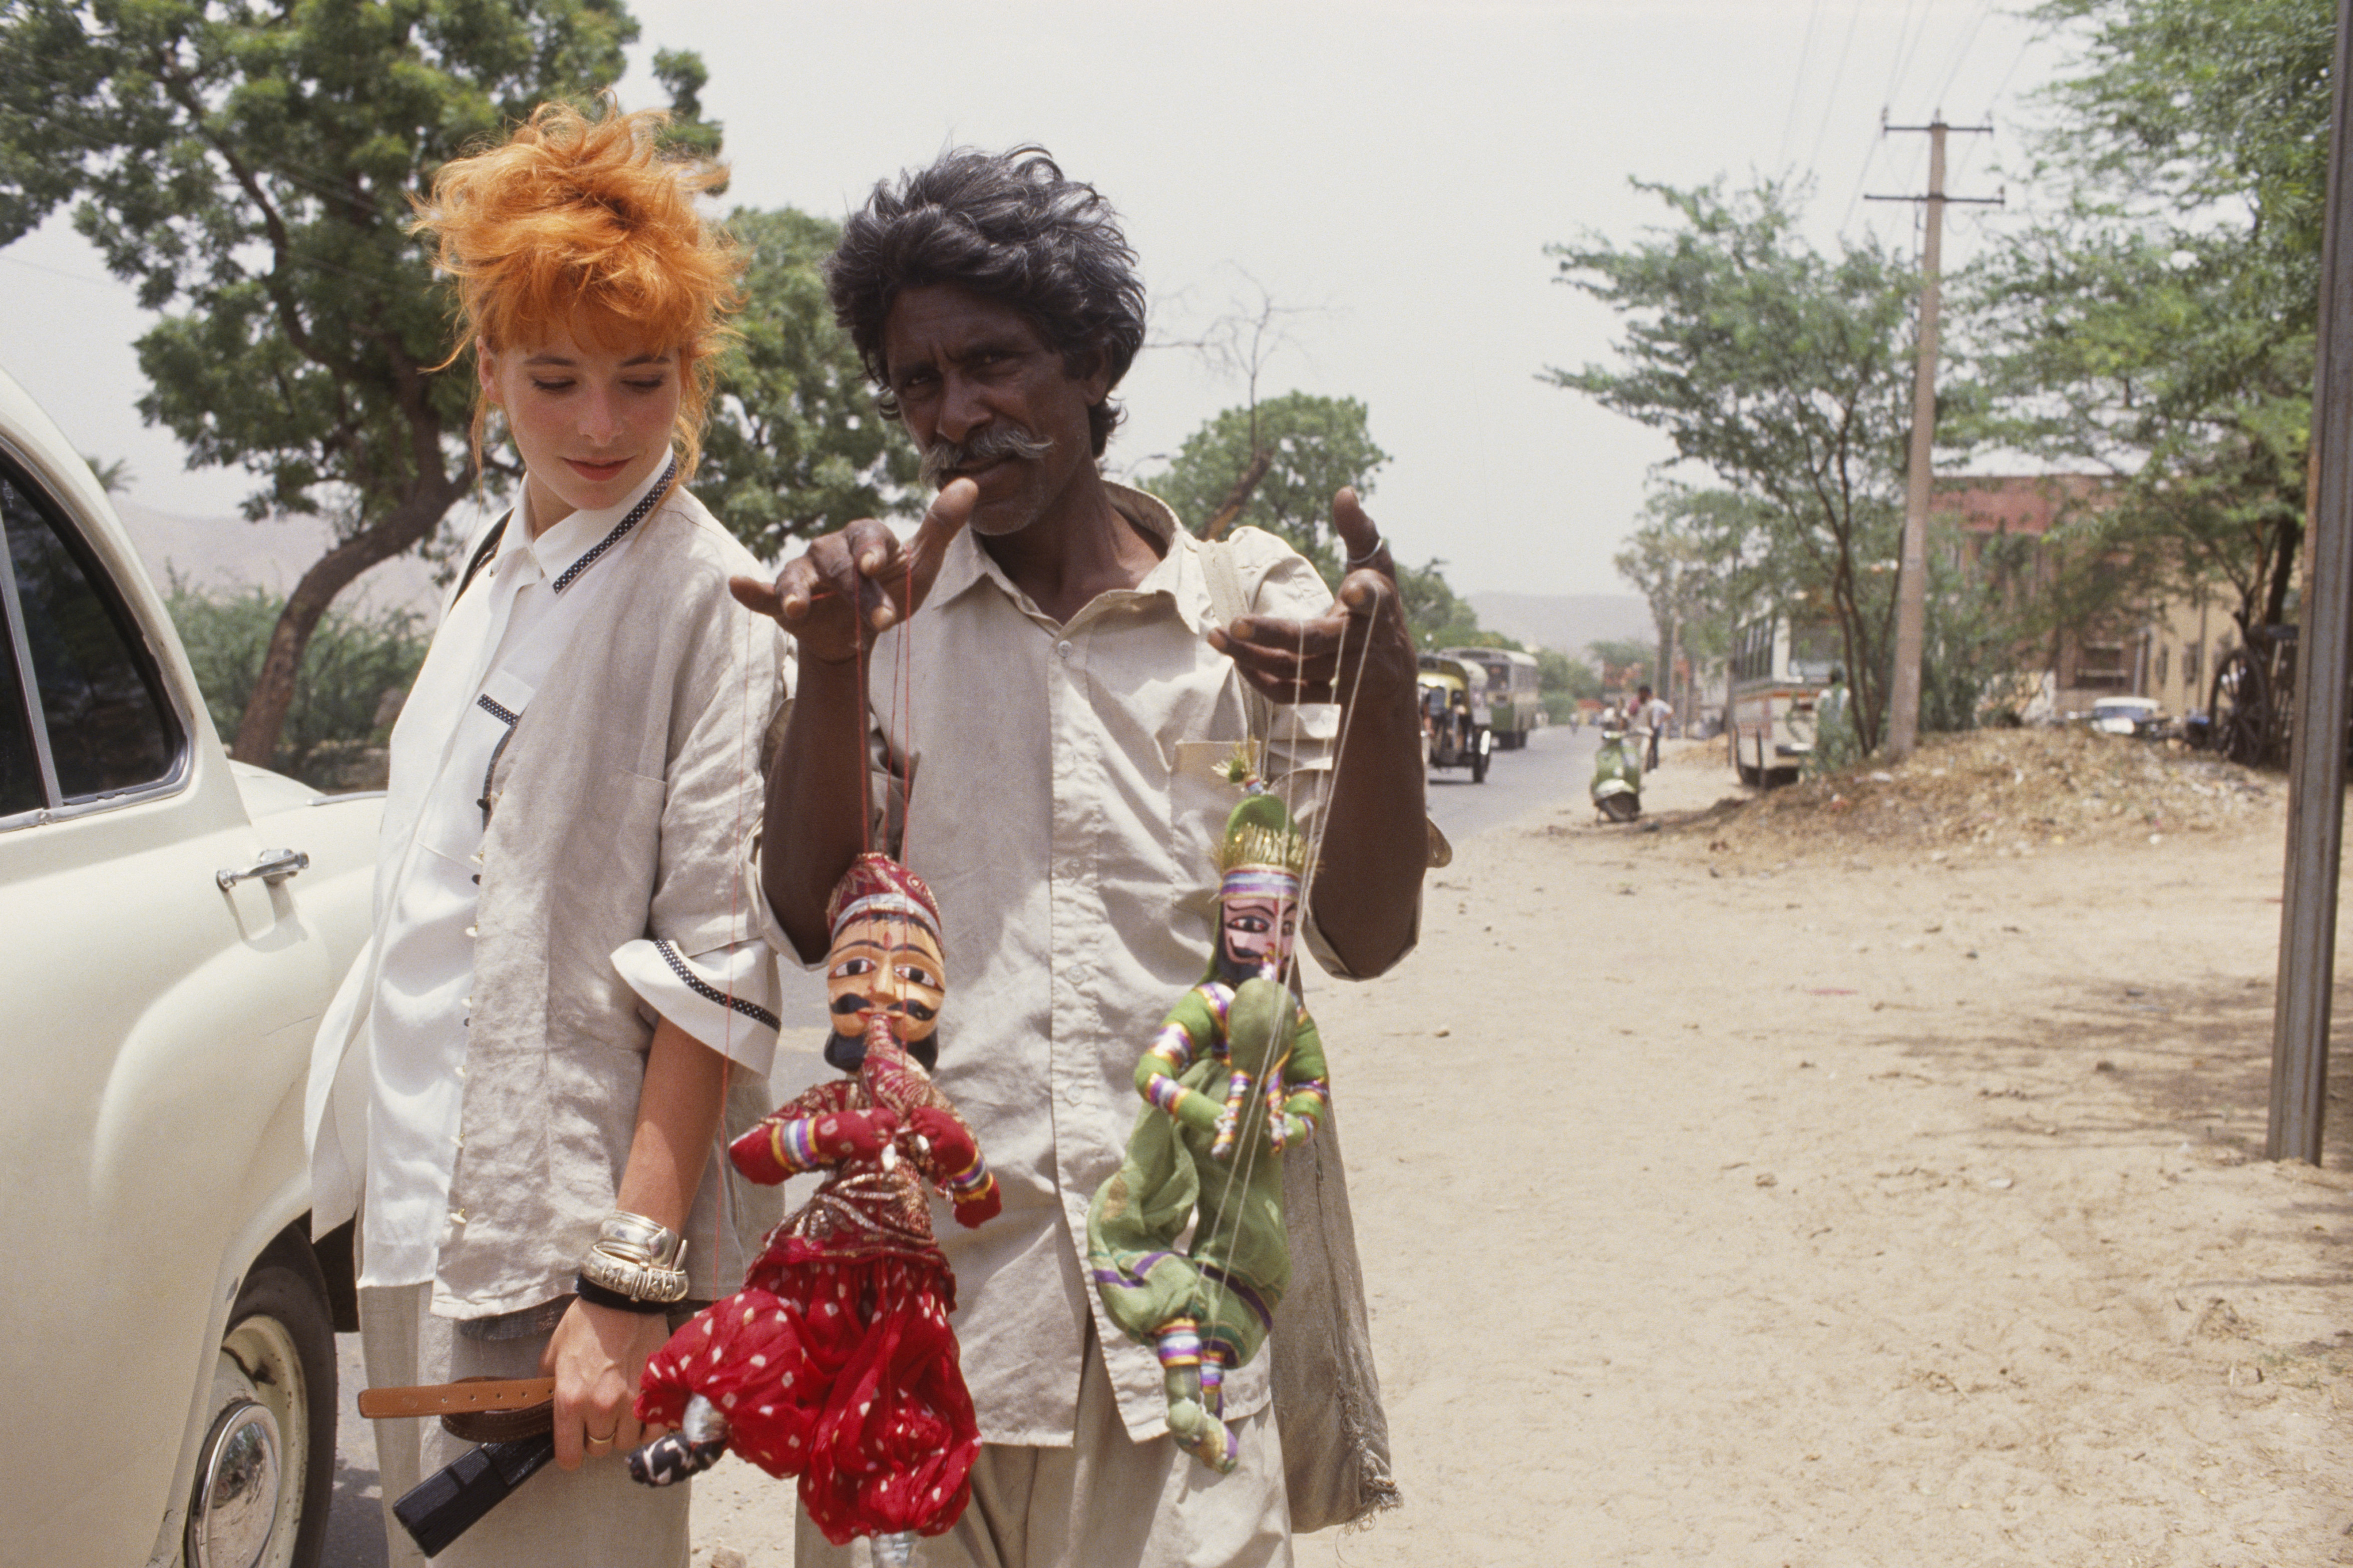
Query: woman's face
pixel 591 423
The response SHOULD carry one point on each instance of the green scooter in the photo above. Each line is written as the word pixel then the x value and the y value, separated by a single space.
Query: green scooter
pixel 1618 775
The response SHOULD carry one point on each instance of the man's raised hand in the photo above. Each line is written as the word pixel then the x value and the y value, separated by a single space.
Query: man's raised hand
pixel 1300 660
pixel 852 585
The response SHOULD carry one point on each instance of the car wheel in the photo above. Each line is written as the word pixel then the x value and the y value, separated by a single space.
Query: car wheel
pixel 267 1469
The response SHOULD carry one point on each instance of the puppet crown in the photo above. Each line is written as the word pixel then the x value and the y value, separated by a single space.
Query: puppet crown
pixel 1261 836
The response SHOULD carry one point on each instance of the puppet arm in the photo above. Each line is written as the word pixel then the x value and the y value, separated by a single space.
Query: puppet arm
pixel 1156 1072
pixel 809 1132
pixel 957 1167
pixel 1306 1093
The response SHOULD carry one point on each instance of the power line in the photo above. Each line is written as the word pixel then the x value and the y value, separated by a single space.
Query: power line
pixel 1838 75
pixel 1797 83
pixel 1985 10
pixel 1903 56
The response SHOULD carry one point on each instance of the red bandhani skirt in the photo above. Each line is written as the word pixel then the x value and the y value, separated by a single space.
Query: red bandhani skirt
pixel 843 1372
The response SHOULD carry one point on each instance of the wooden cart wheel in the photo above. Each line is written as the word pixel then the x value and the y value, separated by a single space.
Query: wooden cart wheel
pixel 2242 709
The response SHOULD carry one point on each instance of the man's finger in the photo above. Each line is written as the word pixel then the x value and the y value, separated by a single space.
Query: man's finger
pixel 942 520
pixel 1356 531
pixel 1362 590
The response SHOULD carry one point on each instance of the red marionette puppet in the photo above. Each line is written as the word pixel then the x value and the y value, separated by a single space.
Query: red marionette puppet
pixel 836 1363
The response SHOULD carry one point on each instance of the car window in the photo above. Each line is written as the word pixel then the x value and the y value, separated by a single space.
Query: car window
pixel 21 789
pixel 102 708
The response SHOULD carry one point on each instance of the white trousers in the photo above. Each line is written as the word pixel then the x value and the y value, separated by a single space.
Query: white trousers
pixel 595 1517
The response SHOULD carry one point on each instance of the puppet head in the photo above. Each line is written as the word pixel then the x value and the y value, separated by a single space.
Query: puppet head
pixel 887 962
pixel 1259 863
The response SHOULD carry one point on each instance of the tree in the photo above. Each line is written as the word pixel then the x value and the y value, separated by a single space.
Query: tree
pixel 1314 446
pixel 248 166
pixel 2161 323
pixel 1564 682
pixel 1786 372
pixel 1436 614
pixel 1701 558
pixel 794 446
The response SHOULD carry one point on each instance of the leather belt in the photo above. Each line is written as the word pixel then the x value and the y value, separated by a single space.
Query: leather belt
pixel 478 1409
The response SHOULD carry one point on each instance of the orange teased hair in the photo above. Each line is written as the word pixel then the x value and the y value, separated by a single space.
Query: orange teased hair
pixel 583 226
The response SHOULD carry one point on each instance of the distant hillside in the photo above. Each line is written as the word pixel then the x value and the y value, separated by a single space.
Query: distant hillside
pixel 1568 622
pixel 228 552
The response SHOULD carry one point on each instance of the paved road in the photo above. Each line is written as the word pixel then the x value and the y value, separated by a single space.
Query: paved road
pixel 1554 769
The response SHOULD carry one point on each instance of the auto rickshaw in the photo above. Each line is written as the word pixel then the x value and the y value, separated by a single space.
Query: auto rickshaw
pixel 1454 716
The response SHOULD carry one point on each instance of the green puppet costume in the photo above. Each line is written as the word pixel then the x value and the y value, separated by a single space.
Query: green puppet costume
pixel 1235 1075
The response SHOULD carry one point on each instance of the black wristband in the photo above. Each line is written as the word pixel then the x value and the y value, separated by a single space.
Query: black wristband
pixel 596 1295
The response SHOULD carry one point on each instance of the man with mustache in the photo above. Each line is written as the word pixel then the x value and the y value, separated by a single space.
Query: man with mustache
pixel 1051 726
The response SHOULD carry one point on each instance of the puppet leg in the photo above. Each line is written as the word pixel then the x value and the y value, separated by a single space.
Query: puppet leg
pixel 1195 1394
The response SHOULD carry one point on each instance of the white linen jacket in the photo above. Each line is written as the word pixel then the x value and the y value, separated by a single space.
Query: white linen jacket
pixel 619 810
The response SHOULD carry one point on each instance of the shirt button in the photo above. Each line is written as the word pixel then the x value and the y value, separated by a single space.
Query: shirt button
pixel 1063 648
pixel 471 932
pixel 456 1216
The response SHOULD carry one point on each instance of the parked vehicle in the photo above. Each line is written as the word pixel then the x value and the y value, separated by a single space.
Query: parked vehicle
pixel 1510 684
pixel 1454 715
pixel 176 925
pixel 1778 667
pixel 2127 716
pixel 1618 772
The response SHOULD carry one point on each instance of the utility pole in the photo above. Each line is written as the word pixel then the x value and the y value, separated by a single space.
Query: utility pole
pixel 2316 814
pixel 1912 581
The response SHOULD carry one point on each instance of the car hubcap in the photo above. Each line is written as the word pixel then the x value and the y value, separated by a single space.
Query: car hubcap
pixel 250 1471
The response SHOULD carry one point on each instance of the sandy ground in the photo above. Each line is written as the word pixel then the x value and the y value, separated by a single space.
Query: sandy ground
pixel 1841 1205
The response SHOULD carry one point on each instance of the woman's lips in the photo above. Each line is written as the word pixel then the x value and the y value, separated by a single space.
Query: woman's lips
pixel 598 471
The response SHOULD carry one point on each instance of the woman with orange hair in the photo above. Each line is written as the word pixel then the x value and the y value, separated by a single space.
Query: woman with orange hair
pixel 565 979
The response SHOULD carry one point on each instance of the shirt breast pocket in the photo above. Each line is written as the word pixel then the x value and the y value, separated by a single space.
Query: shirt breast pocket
pixel 464 800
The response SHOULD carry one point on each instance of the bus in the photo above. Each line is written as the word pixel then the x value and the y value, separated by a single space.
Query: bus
pixel 1513 704
pixel 1778 667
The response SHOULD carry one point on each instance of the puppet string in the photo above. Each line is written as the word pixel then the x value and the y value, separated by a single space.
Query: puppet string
pixel 1288 1020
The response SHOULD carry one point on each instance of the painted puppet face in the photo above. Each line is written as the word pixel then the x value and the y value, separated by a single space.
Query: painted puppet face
pixel 1256 930
pixel 886 963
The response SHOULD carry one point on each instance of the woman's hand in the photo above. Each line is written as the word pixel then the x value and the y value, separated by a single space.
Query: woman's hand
pixel 852 585
pixel 597 1357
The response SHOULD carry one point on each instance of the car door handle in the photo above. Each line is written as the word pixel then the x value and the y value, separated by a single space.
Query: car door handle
pixel 272 866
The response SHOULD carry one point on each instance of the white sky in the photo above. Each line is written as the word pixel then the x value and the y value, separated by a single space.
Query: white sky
pixel 1393 167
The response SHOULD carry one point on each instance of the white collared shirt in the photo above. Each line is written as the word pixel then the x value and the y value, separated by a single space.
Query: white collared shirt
pixel 497 644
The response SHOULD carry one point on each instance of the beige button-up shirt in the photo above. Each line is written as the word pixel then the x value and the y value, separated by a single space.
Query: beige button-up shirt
pixel 1064 807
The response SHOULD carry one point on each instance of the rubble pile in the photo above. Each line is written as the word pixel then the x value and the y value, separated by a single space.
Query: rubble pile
pixel 2004 791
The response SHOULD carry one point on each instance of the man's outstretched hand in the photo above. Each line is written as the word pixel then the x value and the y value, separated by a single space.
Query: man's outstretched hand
pixel 1302 660
pixel 859 581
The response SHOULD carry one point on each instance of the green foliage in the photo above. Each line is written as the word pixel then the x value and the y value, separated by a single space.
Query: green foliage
pixel 1784 372
pixel 2161 323
pixel 795 445
pixel 354 662
pixel 1436 614
pixel 1563 681
pixel 1318 445
pixel 1973 635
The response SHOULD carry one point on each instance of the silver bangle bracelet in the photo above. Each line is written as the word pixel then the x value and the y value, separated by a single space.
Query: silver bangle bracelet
pixel 634 1238
pixel 638 1282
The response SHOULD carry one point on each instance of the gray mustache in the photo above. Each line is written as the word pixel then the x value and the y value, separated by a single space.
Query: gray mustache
pixel 944 457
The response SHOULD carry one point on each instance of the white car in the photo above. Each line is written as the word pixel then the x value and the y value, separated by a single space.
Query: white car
pixel 174 925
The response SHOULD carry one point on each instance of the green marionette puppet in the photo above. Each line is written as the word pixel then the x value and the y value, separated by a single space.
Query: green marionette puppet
pixel 1235 1077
